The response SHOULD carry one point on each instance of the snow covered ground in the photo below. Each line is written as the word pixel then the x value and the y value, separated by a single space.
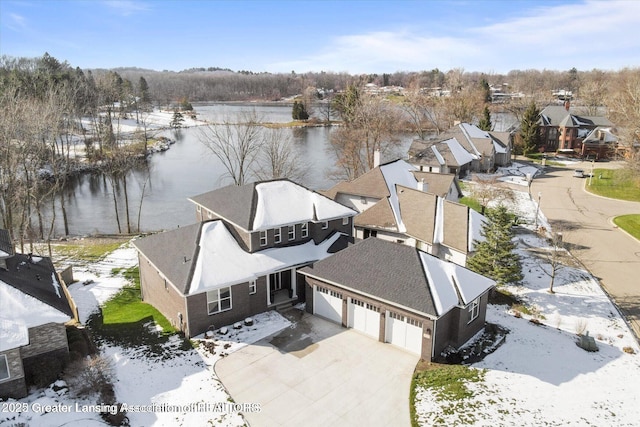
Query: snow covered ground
pixel 540 376
pixel 184 389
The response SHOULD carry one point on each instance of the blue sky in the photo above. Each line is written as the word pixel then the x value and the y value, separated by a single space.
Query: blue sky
pixel 340 36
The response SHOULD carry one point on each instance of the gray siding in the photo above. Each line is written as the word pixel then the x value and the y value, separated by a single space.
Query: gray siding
pixel 15 385
pixel 243 305
pixel 45 339
pixel 158 292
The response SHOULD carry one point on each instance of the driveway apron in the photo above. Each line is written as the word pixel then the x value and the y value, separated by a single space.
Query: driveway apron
pixel 317 373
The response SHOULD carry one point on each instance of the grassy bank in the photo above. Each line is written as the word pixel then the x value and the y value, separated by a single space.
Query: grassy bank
pixel 614 183
pixel 629 223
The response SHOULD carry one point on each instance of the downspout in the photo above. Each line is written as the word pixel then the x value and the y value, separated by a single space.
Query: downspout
pixel 433 339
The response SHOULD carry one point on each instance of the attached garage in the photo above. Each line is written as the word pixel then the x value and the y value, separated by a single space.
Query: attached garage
pixel 404 332
pixel 364 317
pixel 327 303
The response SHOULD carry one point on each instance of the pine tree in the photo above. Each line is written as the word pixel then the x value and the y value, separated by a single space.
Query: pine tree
pixel 485 122
pixel 495 256
pixel 176 121
pixel 529 129
pixel 299 111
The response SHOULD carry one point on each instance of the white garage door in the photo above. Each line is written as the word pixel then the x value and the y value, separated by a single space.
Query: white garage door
pixel 404 332
pixel 364 317
pixel 328 304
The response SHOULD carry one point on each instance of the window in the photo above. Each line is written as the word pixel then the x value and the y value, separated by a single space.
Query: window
pixel 219 300
pixel 304 230
pixel 474 310
pixel 252 287
pixel 4 368
pixel 263 238
pixel 345 220
pixel 277 235
pixel 292 232
pixel 325 225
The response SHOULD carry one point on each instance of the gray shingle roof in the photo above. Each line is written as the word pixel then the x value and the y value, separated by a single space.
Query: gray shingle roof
pixel 35 279
pixel 382 269
pixel 173 253
pixel 234 203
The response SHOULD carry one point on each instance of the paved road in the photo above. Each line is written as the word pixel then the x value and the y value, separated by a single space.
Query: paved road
pixel 321 374
pixel 610 254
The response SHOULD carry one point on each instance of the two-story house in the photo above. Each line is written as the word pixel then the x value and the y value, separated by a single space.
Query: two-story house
pixel 463 148
pixel 242 257
pixel 395 203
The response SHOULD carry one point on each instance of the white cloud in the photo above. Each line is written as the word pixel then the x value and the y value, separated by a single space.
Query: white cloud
pixel 16 22
pixel 593 34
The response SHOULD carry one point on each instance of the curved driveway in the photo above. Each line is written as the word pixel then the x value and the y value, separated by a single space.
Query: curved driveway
pixel 585 219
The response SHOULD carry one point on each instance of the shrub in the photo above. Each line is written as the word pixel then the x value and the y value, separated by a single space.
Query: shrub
pixel 89 375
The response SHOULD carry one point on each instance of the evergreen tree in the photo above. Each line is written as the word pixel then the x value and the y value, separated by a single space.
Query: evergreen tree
pixel 529 129
pixel 485 121
pixel 486 90
pixel 176 121
pixel 143 89
pixel 299 111
pixel 495 256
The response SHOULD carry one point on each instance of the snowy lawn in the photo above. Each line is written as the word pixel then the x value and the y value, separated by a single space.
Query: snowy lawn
pixel 540 376
pixel 180 384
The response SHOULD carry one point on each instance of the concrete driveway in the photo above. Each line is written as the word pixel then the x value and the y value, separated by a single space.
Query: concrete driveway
pixel 317 373
pixel 585 219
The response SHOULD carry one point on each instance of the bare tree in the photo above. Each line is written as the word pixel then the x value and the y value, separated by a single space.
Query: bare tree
pixel 279 158
pixel 624 110
pixel 235 144
pixel 554 258
pixel 489 190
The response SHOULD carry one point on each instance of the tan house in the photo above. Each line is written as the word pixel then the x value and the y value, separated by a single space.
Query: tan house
pixel 35 306
pixel 399 295
pixel 462 149
pixel 243 255
pixel 395 203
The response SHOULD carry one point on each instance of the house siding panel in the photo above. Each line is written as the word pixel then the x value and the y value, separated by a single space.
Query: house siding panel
pixel 243 305
pixel 157 291
pixel 45 339
pixel 15 386
pixel 467 330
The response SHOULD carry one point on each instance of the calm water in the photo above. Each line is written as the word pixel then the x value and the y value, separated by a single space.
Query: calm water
pixel 185 170
pixel 160 192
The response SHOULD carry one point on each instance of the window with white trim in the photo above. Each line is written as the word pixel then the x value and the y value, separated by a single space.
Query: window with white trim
pixel 304 230
pixel 4 368
pixel 345 220
pixel 292 232
pixel 252 287
pixel 474 309
pixel 263 238
pixel 277 235
pixel 325 225
pixel 219 300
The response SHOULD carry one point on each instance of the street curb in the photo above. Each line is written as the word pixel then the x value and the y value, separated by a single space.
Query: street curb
pixel 615 226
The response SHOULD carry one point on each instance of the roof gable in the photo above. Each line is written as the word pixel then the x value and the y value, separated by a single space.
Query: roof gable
pixel 418 213
pixel 379 215
pixel 36 277
pixel 402 275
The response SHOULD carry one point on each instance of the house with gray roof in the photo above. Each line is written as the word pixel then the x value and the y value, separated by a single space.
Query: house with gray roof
pixel 35 308
pixel 400 295
pixel 396 202
pixel 241 257
pixel 563 130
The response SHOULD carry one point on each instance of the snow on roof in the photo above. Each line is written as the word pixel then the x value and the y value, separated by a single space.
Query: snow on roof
pixel 19 312
pixel 448 280
pixel 437 154
pixel 462 156
pixel 474 131
pixel 476 219
pixel 499 147
pixel 398 173
pixel 3 254
pixel 284 202
pixel 438 229
pixel 221 262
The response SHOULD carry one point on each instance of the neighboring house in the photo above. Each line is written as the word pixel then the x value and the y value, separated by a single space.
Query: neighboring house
pixel 399 295
pixel 242 257
pixel 34 308
pixel 563 131
pixel 394 203
pixel 462 149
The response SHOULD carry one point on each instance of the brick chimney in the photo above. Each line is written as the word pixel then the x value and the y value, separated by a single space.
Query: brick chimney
pixel 567 105
pixel 421 185
pixel 376 158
